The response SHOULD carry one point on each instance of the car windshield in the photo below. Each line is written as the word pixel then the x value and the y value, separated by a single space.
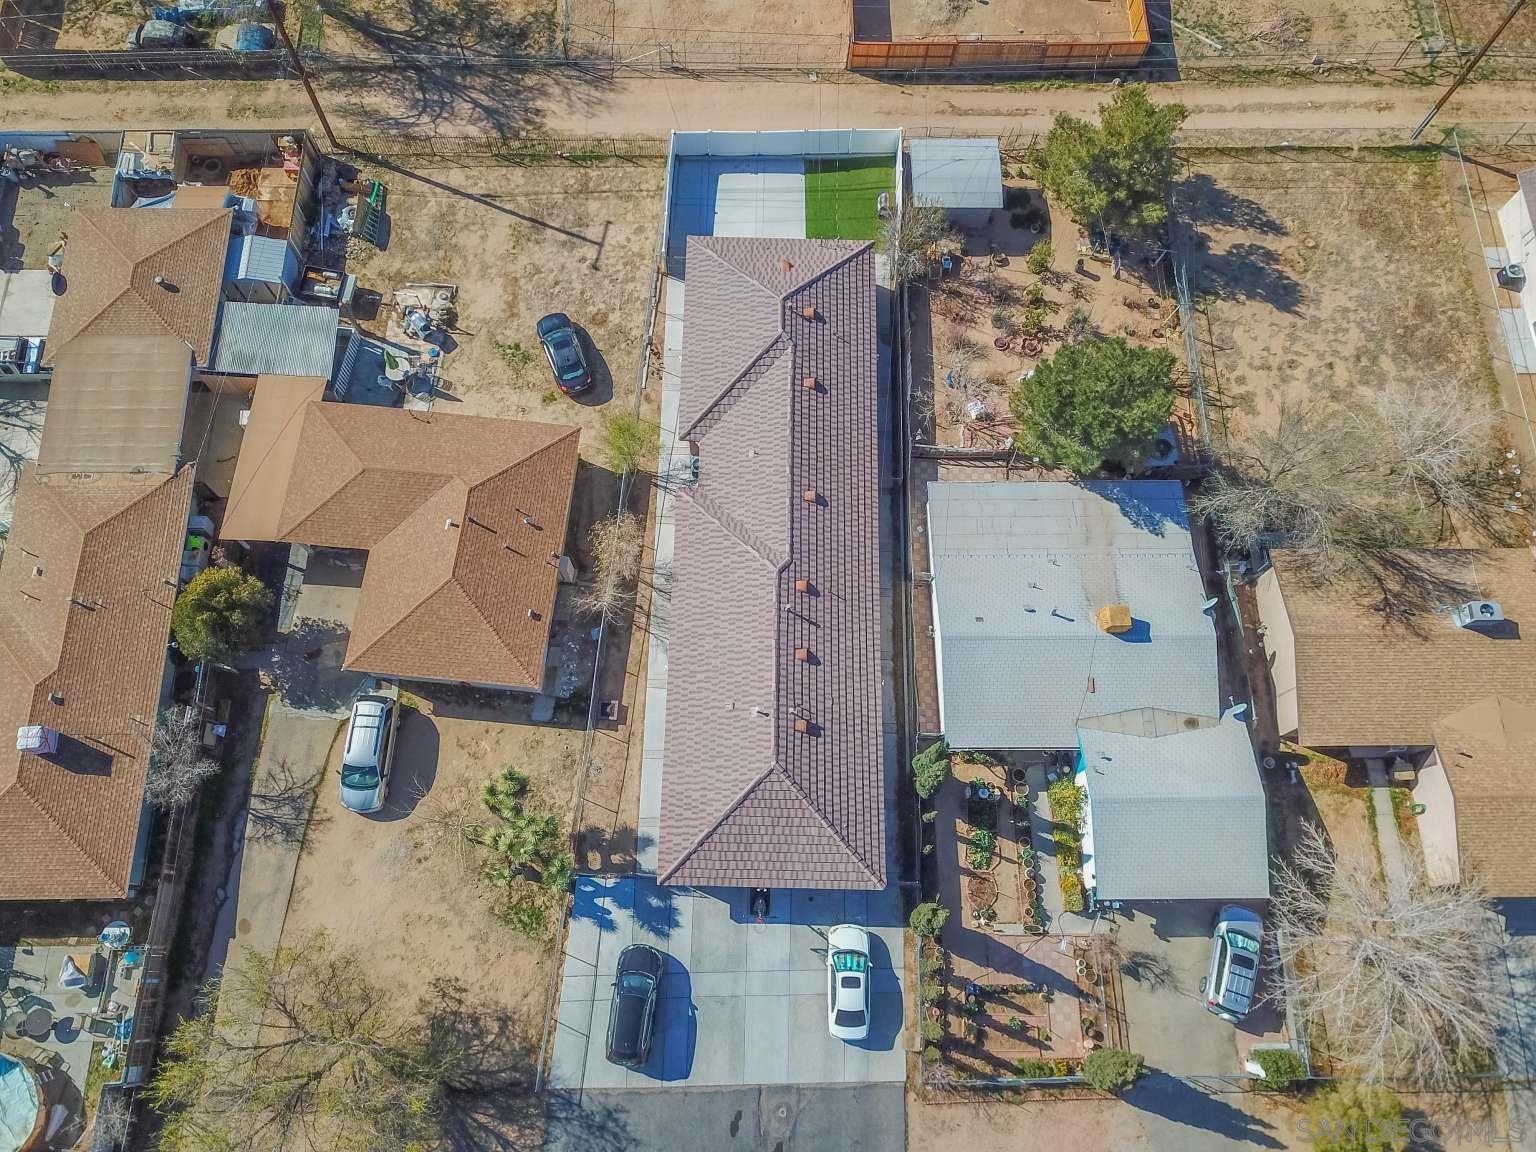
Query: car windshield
pixel 846 1019
pixel 1242 943
pixel 359 777
pixel 635 982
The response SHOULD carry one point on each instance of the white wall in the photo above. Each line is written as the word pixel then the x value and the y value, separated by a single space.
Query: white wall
pixel 809 142
pixel 1520 241
pixel 1280 652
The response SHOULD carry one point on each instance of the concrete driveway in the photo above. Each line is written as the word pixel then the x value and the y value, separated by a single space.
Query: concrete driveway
pixel 742 1002
pixel 1167 947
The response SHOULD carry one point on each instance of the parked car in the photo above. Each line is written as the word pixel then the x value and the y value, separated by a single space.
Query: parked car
pixel 562 346
pixel 197 547
pixel 1230 984
pixel 848 982
pixel 636 981
pixel 369 751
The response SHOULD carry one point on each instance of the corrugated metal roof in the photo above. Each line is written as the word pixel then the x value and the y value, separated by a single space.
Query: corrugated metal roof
pixel 957 173
pixel 264 259
pixel 1176 812
pixel 1019 571
pixel 275 339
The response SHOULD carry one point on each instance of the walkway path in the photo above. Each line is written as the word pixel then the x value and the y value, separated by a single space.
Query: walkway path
pixel 1394 865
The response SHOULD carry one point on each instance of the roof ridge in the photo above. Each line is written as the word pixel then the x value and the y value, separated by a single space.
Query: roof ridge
pixel 741 534
pixel 726 813
pixel 827 823
pixel 317 408
pixel 43 810
pixel 732 393
pixel 830 268
pixel 521 461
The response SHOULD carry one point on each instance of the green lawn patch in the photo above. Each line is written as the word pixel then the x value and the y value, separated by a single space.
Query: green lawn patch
pixel 841 195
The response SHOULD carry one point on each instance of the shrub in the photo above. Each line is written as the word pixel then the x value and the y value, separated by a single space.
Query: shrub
pixel 1355 1117
pixel 930 768
pixel 1066 800
pixel 1039 259
pixel 1034 1069
pixel 1110 1069
pixel 1072 898
pixel 931 961
pixel 218 613
pixel 931 1054
pixel 933 1031
pixel 628 442
pixel 1282 1068
pixel 928 918
pixel 979 852
pixel 1035 293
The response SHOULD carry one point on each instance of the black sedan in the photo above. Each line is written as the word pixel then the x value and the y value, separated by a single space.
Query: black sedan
pixel 562 346
pixel 636 981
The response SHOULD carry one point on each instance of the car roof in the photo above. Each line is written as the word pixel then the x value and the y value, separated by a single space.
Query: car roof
pixel 640 958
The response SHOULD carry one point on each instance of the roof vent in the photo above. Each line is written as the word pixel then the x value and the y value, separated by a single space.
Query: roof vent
pixel 38 739
pixel 802 725
pixel 1475 614
pixel 533 614
pixel 448 524
pixel 808 312
pixel 56 698
pixel 162 282
pixel 804 586
pixel 803 655
pixel 37 569
pixel 1115 618
pixel 809 384
pixel 811 496
pixel 786 264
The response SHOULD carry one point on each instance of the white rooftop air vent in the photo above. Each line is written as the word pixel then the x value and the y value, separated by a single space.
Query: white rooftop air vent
pixel 37 739
pixel 1476 614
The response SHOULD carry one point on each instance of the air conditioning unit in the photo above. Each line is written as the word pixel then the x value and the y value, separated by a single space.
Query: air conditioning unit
pixel 1476 614
pixel 1512 275
pixel 10 350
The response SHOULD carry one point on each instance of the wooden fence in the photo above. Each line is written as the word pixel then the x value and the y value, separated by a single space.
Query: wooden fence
pixel 1042 54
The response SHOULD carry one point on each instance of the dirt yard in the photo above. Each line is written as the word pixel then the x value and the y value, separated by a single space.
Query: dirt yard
pixel 407 905
pixel 369 26
pixel 520 243
pixel 1000 20
pixel 1470 22
pixel 796 31
pixel 1278 25
pixel 992 297
pixel 1323 274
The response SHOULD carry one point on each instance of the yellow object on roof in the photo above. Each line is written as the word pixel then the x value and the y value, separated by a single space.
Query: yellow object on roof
pixel 1115 618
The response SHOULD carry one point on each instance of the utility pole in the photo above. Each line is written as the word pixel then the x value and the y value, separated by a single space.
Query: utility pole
pixel 1514 10
pixel 309 89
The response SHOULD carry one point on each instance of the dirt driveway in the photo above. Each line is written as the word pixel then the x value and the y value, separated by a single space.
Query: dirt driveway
pixel 414 914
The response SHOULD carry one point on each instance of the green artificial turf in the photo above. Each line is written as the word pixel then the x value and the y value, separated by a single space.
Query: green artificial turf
pixel 841 195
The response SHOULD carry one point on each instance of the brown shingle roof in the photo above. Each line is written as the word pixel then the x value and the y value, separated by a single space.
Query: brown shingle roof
pixel 117 404
pixel 110 266
pixel 91 625
pixel 1366 678
pixel 459 514
pixel 1489 753
pixel 746 798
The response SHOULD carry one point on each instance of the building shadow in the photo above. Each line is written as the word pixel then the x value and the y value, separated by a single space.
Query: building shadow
pixel 1180 1102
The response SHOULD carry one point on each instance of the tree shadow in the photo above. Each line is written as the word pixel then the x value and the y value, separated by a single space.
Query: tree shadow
pixel 1151 969
pixel 488 1102
pixel 655 910
pixel 592 901
pixel 1180 1102
pixel 280 807
pixel 1245 269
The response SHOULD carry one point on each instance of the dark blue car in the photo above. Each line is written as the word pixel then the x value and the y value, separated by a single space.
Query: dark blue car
pixel 563 348
pixel 636 981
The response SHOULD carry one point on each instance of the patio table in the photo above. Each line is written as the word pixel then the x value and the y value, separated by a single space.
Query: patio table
pixel 38 1024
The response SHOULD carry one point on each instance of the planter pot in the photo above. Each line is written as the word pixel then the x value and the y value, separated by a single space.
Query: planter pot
pixel 1001 343
pixel 1019 775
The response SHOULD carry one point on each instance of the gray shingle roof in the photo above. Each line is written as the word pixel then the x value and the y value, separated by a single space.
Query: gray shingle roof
pixel 1177 815
pixel 275 339
pixel 1019 571
pixel 747 799
pixel 957 173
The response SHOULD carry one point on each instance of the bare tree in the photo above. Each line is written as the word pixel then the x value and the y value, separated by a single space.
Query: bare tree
pixel 917 240
pixel 177 763
pixel 1397 976
pixel 300 1048
pixel 617 544
pixel 1338 485
pixel 453 826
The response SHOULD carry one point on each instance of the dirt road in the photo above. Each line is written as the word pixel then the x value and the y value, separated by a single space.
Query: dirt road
pixel 571 102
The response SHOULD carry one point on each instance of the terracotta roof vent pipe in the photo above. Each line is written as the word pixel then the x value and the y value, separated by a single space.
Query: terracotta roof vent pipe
pixel 809 384
pixel 803 585
pixel 803 655
pixel 802 725
pixel 811 496
pixel 808 312
pixel 786 264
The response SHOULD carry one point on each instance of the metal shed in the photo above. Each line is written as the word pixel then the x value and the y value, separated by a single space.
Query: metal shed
pixel 959 174
pixel 276 340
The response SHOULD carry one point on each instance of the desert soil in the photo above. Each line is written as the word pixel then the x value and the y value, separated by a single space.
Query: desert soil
pixel 412 913
pixel 723 31
pixel 1276 25
pixel 1473 21
pixel 1000 19
pixel 1325 274
pixel 499 26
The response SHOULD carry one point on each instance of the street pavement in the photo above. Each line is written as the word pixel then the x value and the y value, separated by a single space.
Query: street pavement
pixel 771 1119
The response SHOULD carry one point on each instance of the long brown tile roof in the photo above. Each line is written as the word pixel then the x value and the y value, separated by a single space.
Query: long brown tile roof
pixel 774 765
pixel 1365 677
pixel 85 601
pixel 460 515
pixel 139 272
